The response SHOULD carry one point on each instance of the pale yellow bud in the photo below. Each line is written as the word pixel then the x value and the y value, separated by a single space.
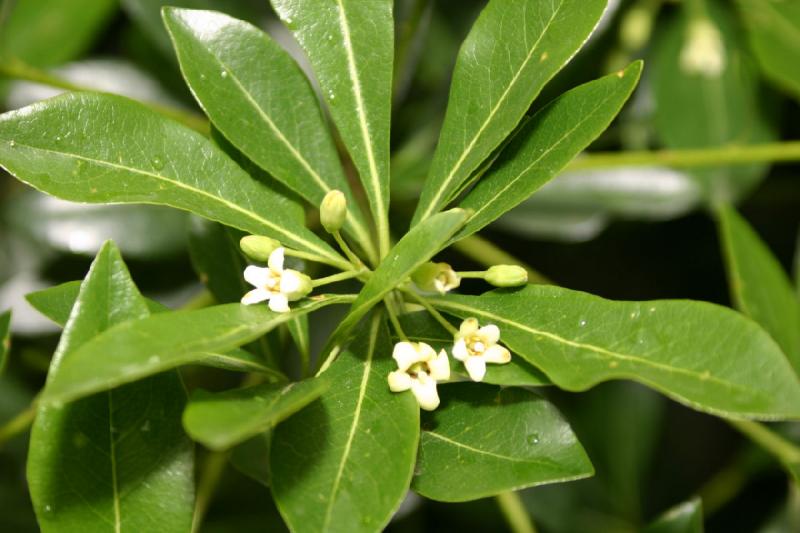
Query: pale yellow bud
pixel 333 211
pixel 506 276
pixel 258 247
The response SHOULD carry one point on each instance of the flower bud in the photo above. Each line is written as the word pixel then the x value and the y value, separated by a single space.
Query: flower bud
pixel 258 247
pixel 704 51
pixel 506 276
pixel 295 285
pixel 333 211
pixel 436 277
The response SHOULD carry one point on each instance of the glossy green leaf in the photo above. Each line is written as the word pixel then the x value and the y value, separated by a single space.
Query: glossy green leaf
pixel 350 44
pixel 774 34
pixel 694 110
pixel 145 347
pixel 56 302
pixel 485 440
pixel 514 48
pixel 33 26
pixel 544 146
pixel 222 420
pixel 110 461
pixel 258 97
pixel 5 338
pixel 684 518
pixel 703 355
pixel 759 286
pixel 416 247
pixel 344 463
pixel 66 147
pixel 420 326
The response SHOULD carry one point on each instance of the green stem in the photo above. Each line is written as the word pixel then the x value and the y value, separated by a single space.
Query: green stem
pixel 519 521
pixel 486 253
pixel 472 274
pixel 783 450
pixel 347 250
pixel 16 69
pixel 341 276
pixel 341 265
pixel 390 310
pixel 700 157
pixel 210 474
pixel 18 424
pixel 433 311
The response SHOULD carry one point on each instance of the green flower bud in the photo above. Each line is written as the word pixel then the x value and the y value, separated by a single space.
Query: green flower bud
pixel 333 211
pixel 506 276
pixel 295 285
pixel 436 277
pixel 258 247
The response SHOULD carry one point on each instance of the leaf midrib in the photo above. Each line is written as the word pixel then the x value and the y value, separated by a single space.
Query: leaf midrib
pixel 179 184
pixel 444 186
pixel 486 452
pixel 363 235
pixel 544 154
pixel 599 350
pixel 356 417
pixel 375 183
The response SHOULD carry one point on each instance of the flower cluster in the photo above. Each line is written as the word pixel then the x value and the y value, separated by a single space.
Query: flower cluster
pixel 419 367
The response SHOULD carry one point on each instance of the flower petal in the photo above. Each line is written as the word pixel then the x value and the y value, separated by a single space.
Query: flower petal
pixel 439 367
pixel 460 351
pixel 399 381
pixel 255 296
pixel 290 282
pixel 490 334
pixel 425 351
pixel 497 354
pixel 279 303
pixel 405 354
pixel 257 276
pixel 476 368
pixel 424 388
pixel 468 327
pixel 275 261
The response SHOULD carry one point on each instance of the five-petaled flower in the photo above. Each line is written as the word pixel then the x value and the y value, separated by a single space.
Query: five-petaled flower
pixel 419 368
pixel 475 346
pixel 277 284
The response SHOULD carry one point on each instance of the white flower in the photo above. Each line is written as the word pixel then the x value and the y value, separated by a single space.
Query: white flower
pixel 418 369
pixel 704 51
pixel 476 346
pixel 438 277
pixel 277 284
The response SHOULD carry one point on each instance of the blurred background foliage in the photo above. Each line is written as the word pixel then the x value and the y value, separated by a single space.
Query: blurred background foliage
pixel 624 232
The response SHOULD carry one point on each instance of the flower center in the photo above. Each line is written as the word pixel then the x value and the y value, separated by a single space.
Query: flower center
pixel 476 346
pixel 417 368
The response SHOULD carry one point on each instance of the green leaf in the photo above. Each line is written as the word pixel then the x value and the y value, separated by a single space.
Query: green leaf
pixel 513 49
pixel 684 518
pixel 217 259
pixel 703 111
pixel 258 97
pixel 5 338
pixel 774 34
pixel 416 247
pixel 485 440
pixel 134 350
pixel 420 326
pixel 33 26
pixel 110 461
pixel 703 355
pixel 350 44
pixel 352 452
pixel 251 458
pixel 222 420
pixel 65 147
pixel 546 144
pixel 56 302
pixel 759 286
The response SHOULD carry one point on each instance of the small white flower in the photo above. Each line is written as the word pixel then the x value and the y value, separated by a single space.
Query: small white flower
pixel 476 346
pixel 418 369
pixel 704 52
pixel 277 284
pixel 438 277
